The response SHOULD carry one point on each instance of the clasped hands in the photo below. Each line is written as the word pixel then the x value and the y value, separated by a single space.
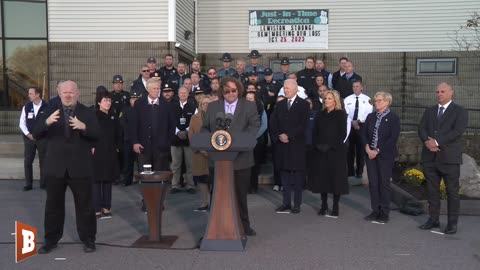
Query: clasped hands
pixel 432 145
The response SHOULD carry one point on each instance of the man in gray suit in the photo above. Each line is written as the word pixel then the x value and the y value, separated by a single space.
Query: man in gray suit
pixel 245 119
pixel 440 130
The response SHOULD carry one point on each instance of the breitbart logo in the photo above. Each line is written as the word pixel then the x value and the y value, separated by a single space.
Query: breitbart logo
pixel 25 241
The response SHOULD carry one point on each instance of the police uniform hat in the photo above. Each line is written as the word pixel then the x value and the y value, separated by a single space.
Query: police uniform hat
pixel 254 54
pixel 226 57
pixel 135 93
pixel 167 88
pixel 285 61
pixel 252 73
pixel 198 90
pixel 151 60
pixel 155 75
pixel 268 71
pixel 117 79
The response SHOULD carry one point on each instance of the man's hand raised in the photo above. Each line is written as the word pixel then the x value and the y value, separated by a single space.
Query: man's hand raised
pixel 53 118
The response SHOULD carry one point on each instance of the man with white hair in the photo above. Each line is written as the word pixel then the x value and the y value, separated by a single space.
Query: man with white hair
pixel 287 127
pixel 301 91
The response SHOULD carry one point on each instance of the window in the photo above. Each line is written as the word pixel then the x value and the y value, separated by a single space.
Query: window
pixel 436 66
pixel 295 65
pixel 23 50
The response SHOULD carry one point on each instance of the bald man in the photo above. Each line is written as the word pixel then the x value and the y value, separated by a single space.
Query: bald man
pixel 70 129
pixel 441 130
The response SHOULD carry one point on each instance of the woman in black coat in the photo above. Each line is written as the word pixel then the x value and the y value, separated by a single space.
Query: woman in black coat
pixel 380 135
pixel 329 173
pixel 105 151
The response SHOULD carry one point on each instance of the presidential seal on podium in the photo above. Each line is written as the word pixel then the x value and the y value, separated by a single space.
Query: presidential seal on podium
pixel 221 140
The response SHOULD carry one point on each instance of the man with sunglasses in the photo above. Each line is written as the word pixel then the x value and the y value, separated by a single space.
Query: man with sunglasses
pixel 245 119
pixel 140 84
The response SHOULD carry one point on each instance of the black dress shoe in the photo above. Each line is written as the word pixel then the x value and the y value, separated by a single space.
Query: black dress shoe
pixel 323 211
pixel 174 190
pixel 295 210
pixel 383 218
pixel 430 224
pixel 89 246
pixel 27 188
pixel 284 209
pixel 250 232
pixel 451 229
pixel 46 248
pixel 373 216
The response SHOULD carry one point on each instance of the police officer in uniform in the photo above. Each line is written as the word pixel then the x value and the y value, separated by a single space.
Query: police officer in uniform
pixel 125 120
pixel 168 70
pixel 240 73
pixel 120 98
pixel 176 79
pixel 254 66
pixel 269 88
pixel 282 75
pixel 226 70
pixel 306 77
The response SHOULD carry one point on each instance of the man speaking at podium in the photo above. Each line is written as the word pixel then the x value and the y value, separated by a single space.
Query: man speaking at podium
pixel 245 119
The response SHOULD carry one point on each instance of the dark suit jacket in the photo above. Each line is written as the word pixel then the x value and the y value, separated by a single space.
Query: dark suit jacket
pixel 72 155
pixel 153 126
pixel 447 132
pixel 138 85
pixel 388 133
pixel 293 122
pixel 245 119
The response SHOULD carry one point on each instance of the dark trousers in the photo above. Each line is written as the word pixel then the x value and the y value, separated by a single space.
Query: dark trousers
pixel 450 174
pixel 242 184
pixel 29 156
pixel 379 173
pixel 295 178
pixel 257 155
pixel 55 208
pixel 128 161
pixel 158 159
pixel 276 172
pixel 356 153
pixel 102 196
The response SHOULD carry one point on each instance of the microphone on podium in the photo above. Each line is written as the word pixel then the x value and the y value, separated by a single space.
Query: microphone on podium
pixel 228 120
pixel 220 121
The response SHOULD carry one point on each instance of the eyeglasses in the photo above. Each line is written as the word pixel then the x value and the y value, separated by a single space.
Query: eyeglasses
pixel 233 91
pixel 147 70
pixel 379 100
pixel 212 73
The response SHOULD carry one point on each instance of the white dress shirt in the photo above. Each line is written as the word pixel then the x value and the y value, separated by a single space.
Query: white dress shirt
pixel 364 106
pixel 23 117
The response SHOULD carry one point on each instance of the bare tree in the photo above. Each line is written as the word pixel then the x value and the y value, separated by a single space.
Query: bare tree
pixel 467 36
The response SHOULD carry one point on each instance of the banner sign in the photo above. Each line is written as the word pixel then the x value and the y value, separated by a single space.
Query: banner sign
pixel 288 29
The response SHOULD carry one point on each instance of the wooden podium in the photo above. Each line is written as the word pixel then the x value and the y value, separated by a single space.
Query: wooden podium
pixel 224 230
pixel 154 188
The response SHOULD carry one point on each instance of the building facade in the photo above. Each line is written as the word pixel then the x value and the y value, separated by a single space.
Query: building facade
pixel 405 47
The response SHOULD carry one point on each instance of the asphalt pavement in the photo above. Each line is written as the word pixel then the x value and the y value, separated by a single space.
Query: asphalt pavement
pixel 283 241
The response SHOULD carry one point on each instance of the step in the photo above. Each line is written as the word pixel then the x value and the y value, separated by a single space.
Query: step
pixel 12 168
pixel 11 146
